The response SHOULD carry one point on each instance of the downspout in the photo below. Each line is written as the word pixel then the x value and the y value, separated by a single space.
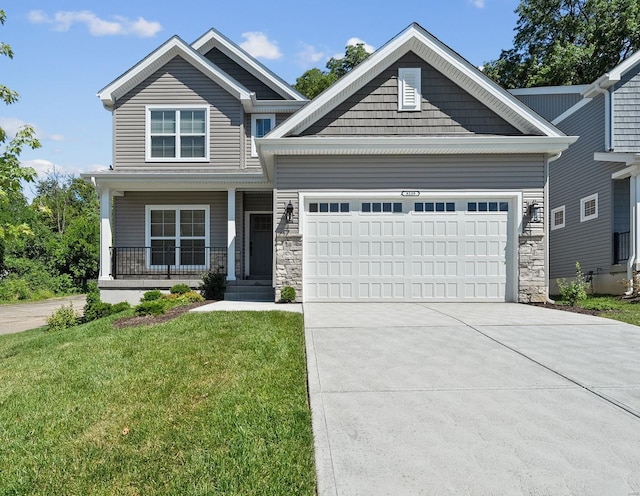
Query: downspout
pixel 633 228
pixel 547 221
pixel 607 115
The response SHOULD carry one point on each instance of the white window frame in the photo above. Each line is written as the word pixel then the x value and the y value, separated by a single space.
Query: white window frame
pixel 177 237
pixel 177 109
pixel 254 119
pixel 583 202
pixel 553 217
pixel 409 95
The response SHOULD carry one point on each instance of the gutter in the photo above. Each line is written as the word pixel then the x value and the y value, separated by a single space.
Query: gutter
pixel 633 234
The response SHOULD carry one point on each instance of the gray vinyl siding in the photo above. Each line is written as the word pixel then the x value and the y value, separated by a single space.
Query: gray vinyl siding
pixel 241 75
pixel 446 109
pixel 258 201
pixel 626 112
pixel 249 160
pixel 178 83
pixel 550 106
pixel 473 173
pixel 129 214
pixel 621 206
pixel 574 176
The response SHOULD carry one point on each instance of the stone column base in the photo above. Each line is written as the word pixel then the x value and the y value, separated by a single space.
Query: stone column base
pixel 531 281
pixel 289 264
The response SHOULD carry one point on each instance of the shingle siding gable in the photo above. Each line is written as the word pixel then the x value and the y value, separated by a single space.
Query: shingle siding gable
pixel 446 109
pixel 626 112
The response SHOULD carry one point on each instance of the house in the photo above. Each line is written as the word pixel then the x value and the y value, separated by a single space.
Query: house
pixel 593 187
pixel 412 178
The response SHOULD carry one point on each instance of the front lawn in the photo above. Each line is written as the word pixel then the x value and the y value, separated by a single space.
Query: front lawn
pixel 612 307
pixel 208 403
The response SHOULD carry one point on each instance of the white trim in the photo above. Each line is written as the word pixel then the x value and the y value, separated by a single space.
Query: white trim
pixel 583 202
pixel 515 218
pixel 106 236
pixel 409 89
pixel 254 118
pixel 177 237
pixel 549 90
pixel 570 111
pixel 231 234
pixel 625 158
pixel 555 226
pixel 613 76
pixel 247 237
pixel 630 171
pixel 177 109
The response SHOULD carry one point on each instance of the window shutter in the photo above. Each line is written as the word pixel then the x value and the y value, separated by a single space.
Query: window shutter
pixel 409 85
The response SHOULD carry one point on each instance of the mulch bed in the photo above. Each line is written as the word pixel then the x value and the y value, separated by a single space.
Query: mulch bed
pixel 142 320
pixel 567 308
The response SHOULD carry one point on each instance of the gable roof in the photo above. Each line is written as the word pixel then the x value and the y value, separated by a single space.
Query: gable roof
pixel 173 47
pixel 214 39
pixel 612 77
pixel 442 58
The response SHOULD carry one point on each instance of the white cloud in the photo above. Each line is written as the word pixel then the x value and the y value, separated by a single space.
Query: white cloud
pixel 258 45
pixel 354 41
pixel 119 26
pixel 11 125
pixel 56 137
pixel 308 55
pixel 43 167
pixel 477 3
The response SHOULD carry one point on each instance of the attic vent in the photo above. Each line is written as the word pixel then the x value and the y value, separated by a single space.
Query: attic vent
pixel 409 85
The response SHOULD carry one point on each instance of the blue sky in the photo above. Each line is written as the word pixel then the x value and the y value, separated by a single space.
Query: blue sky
pixel 67 50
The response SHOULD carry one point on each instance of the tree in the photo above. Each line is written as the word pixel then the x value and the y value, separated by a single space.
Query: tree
pixel 11 172
pixel 315 81
pixel 560 42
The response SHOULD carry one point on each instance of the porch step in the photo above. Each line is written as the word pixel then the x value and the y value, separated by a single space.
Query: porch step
pixel 249 290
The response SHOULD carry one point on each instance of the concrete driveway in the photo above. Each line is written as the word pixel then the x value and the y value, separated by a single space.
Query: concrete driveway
pixel 20 317
pixel 472 399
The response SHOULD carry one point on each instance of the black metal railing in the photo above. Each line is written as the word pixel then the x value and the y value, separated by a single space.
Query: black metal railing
pixel 621 247
pixel 166 261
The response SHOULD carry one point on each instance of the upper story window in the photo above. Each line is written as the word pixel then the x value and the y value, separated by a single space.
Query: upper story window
pixel 409 89
pixel 261 124
pixel 177 134
pixel 589 207
pixel 557 217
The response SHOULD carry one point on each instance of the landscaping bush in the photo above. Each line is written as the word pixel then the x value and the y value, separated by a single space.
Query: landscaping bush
pixel 288 294
pixel 94 308
pixel 153 295
pixel 63 318
pixel 153 307
pixel 574 291
pixel 190 297
pixel 213 285
pixel 180 289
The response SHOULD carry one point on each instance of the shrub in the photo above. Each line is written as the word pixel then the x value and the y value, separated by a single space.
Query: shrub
pixel 153 307
pixel 120 307
pixel 213 285
pixel 153 295
pixel 574 291
pixel 180 289
pixel 63 318
pixel 94 308
pixel 287 294
pixel 190 297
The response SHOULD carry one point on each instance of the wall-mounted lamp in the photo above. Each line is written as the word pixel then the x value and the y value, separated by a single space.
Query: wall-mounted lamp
pixel 534 212
pixel 289 212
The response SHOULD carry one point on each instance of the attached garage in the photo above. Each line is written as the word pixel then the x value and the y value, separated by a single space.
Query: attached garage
pixel 408 249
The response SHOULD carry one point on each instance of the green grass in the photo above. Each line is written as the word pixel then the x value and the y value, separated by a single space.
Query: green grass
pixel 612 307
pixel 209 403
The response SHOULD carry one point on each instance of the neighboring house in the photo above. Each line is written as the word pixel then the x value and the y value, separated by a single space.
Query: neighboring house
pixel 412 178
pixel 593 186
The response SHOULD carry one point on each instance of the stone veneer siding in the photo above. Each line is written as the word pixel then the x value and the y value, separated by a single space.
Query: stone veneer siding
pixel 532 287
pixel 289 263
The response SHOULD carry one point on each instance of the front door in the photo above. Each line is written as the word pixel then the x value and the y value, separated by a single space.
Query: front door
pixel 260 245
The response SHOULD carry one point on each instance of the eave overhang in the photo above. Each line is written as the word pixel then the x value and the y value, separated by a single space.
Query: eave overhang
pixel 612 77
pixel 268 148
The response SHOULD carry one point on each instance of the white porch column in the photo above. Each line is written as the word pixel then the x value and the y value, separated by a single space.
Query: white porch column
pixel 231 234
pixel 106 237
pixel 634 219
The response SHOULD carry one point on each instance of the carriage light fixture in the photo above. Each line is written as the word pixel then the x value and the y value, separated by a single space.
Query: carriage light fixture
pixel 534 212
pixel 289 212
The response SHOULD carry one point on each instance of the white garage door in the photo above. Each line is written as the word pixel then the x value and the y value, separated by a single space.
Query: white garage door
pixel 436 250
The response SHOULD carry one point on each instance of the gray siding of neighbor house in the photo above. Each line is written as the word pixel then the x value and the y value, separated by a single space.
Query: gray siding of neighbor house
pixel 178 83
pixel 241 75
pixel 550 106
pixel 626 112
pixel 456 173
pixel 446 109
pixel 572 177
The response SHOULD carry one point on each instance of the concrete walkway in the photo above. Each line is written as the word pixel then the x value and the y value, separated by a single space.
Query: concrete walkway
pixel 472 399
pixel 20 317
pixel 249 306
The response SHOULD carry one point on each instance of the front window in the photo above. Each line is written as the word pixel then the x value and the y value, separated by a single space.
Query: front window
pixel 589 207
pixel 260 126
pixel 177 134
pixel 178 236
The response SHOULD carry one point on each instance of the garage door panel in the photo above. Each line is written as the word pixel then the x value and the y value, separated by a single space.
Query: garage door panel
pixel 452 255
